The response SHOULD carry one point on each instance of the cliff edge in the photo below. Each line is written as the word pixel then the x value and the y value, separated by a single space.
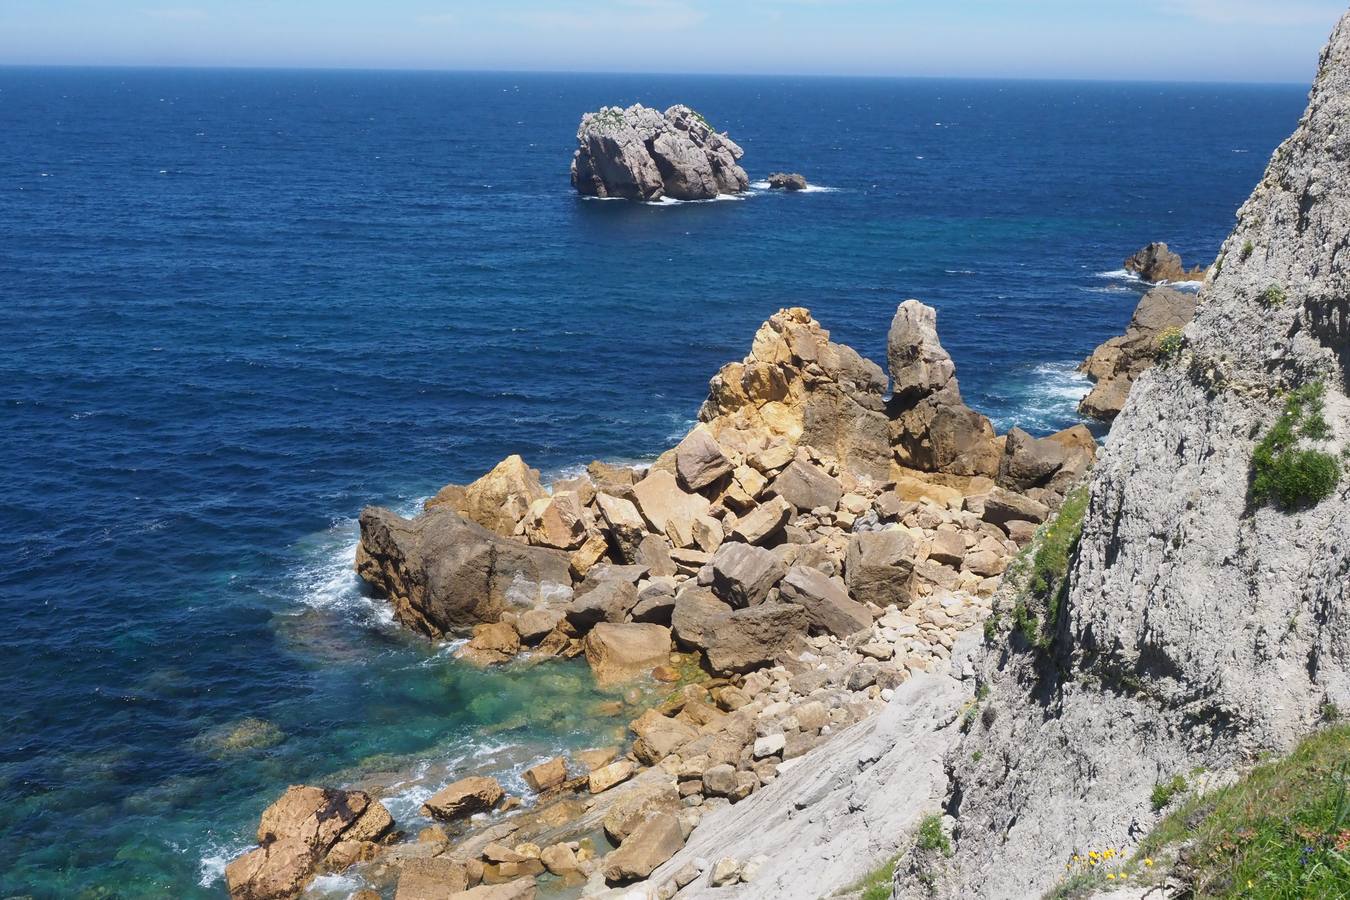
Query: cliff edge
pixel 1205 620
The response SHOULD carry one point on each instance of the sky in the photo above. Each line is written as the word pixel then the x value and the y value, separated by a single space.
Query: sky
pixel 1193 40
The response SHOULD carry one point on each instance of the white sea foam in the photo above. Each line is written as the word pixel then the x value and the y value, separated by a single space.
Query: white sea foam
pixel 327 580
pixel 1047 397
pixel 1120 275
pixel 214 859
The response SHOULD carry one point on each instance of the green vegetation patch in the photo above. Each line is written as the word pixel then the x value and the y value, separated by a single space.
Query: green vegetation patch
pixel 1282 472
pixel 1282 831
pixel 1164 792
pixel 931 836
pixel 1036 613
pixel 876 884
pixel 1273 296
pixel 1168 344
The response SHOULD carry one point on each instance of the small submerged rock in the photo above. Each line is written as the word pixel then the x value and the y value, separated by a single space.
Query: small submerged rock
pixel 237 738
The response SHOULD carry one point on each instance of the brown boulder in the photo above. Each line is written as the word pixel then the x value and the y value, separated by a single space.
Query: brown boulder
pixel 932 428
pixel 435 878
pixel 492 644
pixel 753 637
pixel 616 652
pixel 699 461
pixel 442 572
pixel 763 522
pixel 558 522
pixel 656 840
pixel 519 889
pixel 807 487
pixel 826 601
pixel 695 616
pixel 879 567
pixel 743 575
pixel 499 500
pixel 464 798
pixel 546 775
pixel 296 833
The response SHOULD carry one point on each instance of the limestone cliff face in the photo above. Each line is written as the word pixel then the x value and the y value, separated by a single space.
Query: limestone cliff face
pixel 1200 628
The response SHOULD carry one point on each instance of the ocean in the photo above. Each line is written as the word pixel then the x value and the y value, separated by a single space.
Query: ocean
pixel 238 306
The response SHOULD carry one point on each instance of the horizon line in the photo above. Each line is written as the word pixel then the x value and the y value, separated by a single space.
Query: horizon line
pixel 429 70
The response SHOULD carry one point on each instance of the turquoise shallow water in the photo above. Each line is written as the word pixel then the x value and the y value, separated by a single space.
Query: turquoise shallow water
pixel 241 305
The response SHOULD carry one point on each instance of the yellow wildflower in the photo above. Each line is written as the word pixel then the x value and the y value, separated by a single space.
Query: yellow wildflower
pixel 1148 862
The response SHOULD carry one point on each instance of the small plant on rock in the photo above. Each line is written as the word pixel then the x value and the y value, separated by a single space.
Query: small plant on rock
pixel 931 836
pixel 1247 250
pixel 1272 296
pixel 1164 792
pixel 1168 344
pixel 1283 472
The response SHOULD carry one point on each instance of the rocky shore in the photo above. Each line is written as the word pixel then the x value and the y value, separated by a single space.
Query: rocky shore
pixel 1157 263
pixel 814 544
pixel 1153 330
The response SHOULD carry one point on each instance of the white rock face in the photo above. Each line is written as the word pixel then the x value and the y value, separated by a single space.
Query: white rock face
pixel 1200 628
pixel 642 154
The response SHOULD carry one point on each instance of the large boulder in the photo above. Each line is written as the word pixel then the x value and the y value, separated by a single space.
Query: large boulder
pixel 667 508
pixel 753 637
pixel 624 523
pixel 743 575
pixel 617 652
pixel 932 429
pixel 1156 262
pixel 296 833
pixel 656 840
pixel 558 521
pixel 642 154
pixel 826 601
pixel 807 487
pixel 699 461
pixel 695 615
pixel 797 387
pixel 1116 364
pixel 499 500
pixel 879 567
pixel 464 798
pixel 443 573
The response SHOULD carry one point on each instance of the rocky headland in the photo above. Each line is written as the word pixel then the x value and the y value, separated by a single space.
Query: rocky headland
pixel 1157 263
pixel 1154 333
pixel 824 536
pixel 644 154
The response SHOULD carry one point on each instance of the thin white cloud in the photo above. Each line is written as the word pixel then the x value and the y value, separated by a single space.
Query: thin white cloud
pixel 177 13
pixel 439 19
pixel 619 16
pixel 1257 12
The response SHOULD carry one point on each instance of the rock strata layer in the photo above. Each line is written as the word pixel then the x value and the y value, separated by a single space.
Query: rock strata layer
pixel 643 154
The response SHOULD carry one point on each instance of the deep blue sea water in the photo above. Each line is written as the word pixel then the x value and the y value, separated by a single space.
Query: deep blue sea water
pixel 238 306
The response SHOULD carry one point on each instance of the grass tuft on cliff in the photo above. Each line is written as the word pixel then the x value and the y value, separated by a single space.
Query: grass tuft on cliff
pixel 1281 471
pixel 1041 601
pixel 1281 831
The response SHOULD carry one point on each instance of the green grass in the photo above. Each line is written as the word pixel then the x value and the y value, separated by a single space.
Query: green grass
pixel 876 884
pixel 1281 471
pixel 1165 791
pixel 1168 344
pixel 1247 250
pixel 1048 579
pixel 1282 831
pixel 1273 296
